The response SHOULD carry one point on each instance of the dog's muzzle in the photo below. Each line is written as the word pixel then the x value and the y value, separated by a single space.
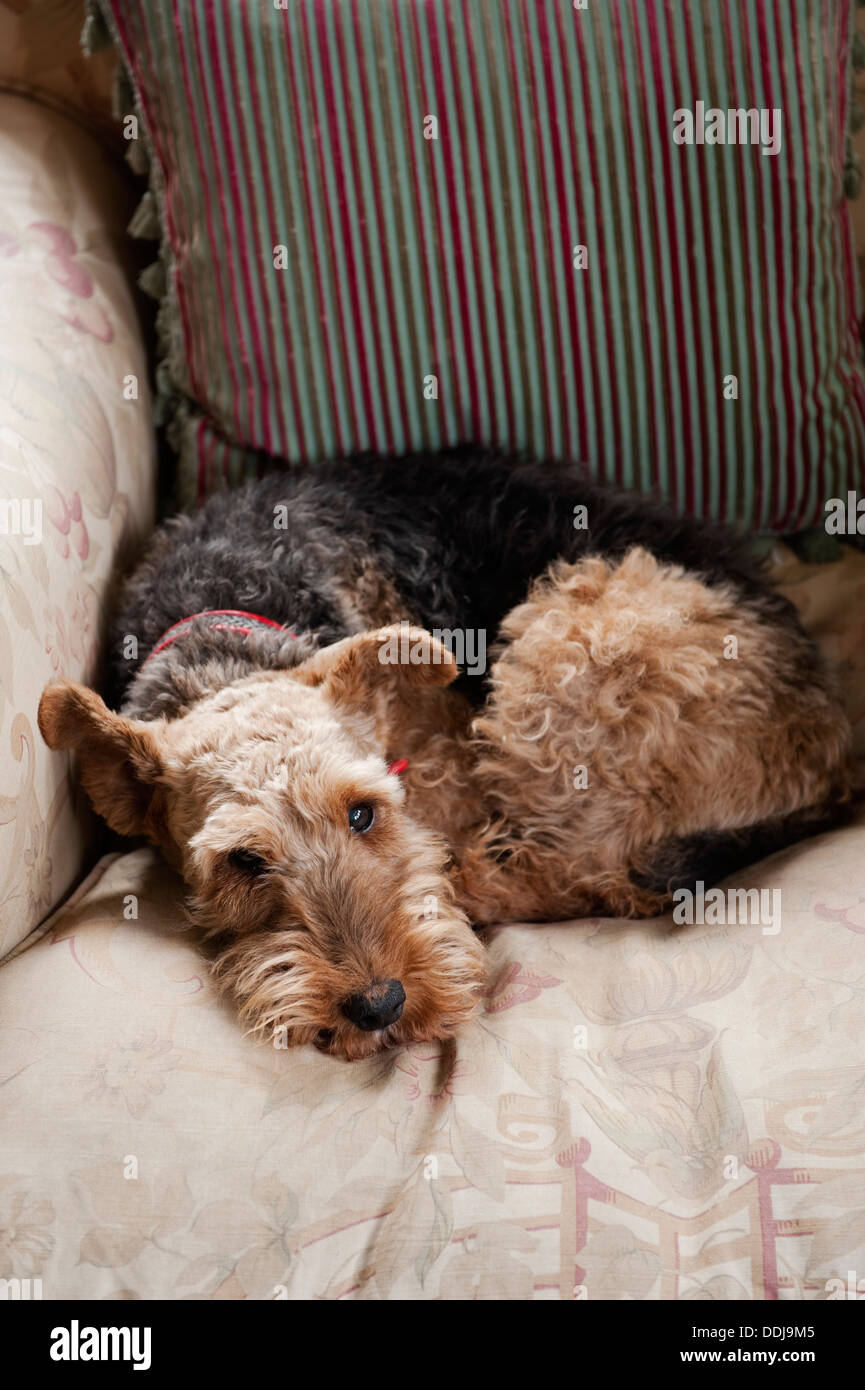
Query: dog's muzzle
pixel 377 1007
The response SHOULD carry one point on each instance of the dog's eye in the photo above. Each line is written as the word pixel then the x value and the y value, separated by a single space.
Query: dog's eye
pixel 247 861
pixel 361 817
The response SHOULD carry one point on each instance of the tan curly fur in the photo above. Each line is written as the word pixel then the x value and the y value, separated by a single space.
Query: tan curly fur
pixel 619 675
pixel 671 699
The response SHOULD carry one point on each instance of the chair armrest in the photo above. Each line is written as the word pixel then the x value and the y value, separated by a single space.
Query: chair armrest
pixel 77 471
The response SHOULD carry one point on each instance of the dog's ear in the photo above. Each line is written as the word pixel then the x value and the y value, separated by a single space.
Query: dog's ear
pixel 403 657
pixel 120 761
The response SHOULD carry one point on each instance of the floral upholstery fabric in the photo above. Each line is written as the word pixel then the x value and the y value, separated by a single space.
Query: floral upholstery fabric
pixel 76 471
pixel 641 1111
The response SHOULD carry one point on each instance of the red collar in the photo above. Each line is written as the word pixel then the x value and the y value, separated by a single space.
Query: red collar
pixel 227 620
pixel 235 620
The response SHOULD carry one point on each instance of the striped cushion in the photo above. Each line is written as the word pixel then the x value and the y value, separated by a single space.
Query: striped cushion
pixel 405 258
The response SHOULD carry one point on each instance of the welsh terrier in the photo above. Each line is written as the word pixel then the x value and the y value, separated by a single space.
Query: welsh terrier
pixel 345 806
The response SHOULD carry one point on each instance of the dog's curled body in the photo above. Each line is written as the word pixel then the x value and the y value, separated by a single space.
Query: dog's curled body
pixel 652 714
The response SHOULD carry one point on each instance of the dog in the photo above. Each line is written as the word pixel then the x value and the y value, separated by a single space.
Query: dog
pixel 290 726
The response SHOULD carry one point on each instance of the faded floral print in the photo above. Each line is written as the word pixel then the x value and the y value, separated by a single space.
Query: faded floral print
pixel 70 444
pixel 635 1124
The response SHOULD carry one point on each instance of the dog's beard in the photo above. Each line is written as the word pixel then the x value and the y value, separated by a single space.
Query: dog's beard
pixel 287 994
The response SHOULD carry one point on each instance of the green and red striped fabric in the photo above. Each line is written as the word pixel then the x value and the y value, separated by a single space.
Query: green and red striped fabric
pixel 304 126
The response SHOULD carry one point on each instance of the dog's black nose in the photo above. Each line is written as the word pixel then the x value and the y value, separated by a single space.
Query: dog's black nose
pixel 377 1007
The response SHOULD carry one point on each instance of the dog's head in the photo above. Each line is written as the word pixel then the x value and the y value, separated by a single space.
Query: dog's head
pixel 328 906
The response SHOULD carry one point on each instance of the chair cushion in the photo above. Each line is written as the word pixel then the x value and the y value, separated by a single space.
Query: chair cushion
pixel 641 1111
